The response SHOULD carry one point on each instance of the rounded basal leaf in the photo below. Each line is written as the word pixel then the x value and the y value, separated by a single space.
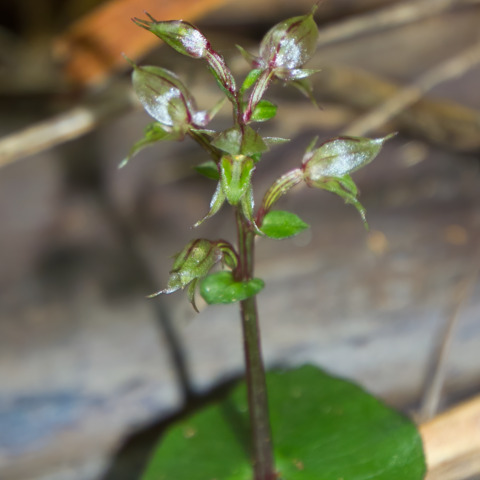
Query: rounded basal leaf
pixel 222 288
pixel 279 224
pixel 324 428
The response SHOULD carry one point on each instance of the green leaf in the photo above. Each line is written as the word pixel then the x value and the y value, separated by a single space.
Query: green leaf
pixel 221 287
pixel 279 224
pixel 324 428
pixel 208 169
pixel 264 110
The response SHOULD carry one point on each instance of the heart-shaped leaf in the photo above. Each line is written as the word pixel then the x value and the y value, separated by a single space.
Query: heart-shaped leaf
pixel 279 224
pixel 324 428
pixel 221 287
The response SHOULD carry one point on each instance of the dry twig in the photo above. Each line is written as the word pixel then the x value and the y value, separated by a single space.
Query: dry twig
pixel 66 126
pixel 401 13
pixel 438 362
pixel 452 68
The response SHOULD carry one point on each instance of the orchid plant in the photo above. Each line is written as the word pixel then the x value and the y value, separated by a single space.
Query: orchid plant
pixel 232 156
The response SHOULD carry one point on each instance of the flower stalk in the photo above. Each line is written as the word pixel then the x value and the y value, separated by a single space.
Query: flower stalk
pixel 234 153
pixel 262 448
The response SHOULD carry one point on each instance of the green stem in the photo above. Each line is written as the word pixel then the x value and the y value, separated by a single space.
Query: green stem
pixel 263 461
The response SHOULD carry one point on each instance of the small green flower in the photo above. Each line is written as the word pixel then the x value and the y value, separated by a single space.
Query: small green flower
pixel 194 262
pixel 234 186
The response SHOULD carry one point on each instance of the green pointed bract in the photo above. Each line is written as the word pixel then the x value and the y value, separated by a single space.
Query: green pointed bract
pixel 345 188
pixel 154 132
pixel 250 58
pixel 215 204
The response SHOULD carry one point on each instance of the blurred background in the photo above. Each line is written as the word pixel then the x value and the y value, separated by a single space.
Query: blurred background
pixel 90 369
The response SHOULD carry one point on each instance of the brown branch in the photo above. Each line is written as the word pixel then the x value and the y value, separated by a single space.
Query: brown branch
pixel 401 13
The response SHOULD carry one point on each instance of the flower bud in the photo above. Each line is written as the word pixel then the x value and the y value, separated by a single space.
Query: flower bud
pixel 180 35
pixel 234 186
pixel 166 99
pixel 329 166
pixel 189 41
pixel 289 44
pixel 340 156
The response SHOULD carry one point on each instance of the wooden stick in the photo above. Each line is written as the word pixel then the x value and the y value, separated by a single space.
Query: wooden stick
pixel 452 442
